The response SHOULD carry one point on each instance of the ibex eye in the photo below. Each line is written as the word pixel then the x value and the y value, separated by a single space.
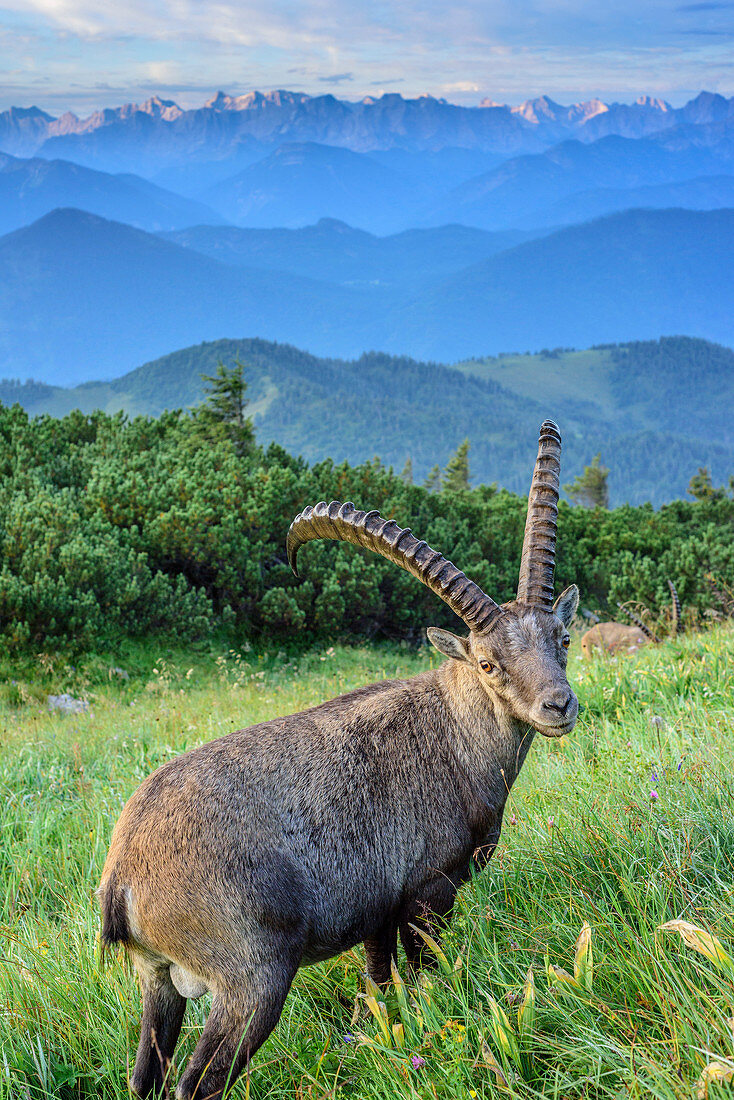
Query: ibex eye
pixel 566 642
pixel 486 666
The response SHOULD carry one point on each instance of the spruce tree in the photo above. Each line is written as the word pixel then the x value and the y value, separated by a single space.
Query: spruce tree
pixel 407 474
pixel 224 406
pixel 433 481
pixel 456 475
pixel 590 489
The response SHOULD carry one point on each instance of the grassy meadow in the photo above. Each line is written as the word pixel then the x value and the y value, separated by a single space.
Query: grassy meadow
pixel 622 827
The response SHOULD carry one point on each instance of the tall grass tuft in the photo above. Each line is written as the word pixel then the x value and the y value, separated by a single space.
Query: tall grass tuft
pixel 592 958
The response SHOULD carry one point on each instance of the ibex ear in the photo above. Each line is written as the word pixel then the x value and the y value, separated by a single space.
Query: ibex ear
pixel 567 603
pixel 449 644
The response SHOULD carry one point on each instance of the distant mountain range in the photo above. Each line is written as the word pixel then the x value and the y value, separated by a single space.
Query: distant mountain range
pixel 84 297
pixel 381 122
pixel 656 410
pixel 352 257
pixel 383 164
pixel 384 192
pixel 31 188
pixel 638 273
pixel 413 226
pixel 300 183
pixel 559 184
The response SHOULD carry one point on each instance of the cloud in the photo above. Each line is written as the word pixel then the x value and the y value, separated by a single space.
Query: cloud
pixel 353 26
pixel 466 86
pixel 336 78
pixel 508 49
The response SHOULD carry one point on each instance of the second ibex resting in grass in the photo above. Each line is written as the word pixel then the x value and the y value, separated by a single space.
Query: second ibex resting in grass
pixel 355 821
pixel 613 637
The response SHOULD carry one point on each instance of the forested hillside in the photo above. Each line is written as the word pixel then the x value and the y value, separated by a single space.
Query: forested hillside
pixel 111 527
pixel 656 411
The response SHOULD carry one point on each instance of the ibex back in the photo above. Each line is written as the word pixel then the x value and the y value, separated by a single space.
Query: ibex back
pixel 291 841
pixel 613 637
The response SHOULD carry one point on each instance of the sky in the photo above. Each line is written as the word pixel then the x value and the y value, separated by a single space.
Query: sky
pixel 85 54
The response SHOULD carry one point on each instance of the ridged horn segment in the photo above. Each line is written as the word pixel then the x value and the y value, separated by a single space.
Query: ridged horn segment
pixel 677 609
pixel 398 545
pixel 535 586
pixel 637 621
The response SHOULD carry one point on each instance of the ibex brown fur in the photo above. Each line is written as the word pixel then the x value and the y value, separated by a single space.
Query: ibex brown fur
pixel 613 637
pixel 291 841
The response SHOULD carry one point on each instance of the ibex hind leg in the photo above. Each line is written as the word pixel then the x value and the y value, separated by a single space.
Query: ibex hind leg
pixel 163 1012
pixel 245 1009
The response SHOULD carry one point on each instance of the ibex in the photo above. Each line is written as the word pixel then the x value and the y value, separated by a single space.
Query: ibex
pixel 354 821
pixel 615 637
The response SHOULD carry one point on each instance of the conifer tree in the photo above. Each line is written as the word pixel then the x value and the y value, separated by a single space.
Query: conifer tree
pixel 433 481
pixel 590 489
pixel 225 403
pixel 407 474
pixel 701 487
pixel 456 475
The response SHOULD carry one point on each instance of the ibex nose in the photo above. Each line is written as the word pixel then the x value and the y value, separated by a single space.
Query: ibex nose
pixel 559 701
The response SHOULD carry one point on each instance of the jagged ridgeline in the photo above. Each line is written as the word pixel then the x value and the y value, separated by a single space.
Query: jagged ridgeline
pixel 115 528
pixel 655 410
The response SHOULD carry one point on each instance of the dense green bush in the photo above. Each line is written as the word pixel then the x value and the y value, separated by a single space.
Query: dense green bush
pixel 111 526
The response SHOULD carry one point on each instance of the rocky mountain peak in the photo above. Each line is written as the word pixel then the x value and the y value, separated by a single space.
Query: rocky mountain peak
pixel 161 108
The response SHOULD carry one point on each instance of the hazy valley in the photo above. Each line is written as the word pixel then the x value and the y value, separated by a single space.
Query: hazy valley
pixel 357 231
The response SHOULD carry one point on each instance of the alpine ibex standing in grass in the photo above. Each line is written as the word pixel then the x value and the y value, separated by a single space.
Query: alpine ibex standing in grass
pixel 291 841
pixel 613 637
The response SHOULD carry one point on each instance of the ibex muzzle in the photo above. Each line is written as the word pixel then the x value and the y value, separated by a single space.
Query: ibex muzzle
pixel 354 821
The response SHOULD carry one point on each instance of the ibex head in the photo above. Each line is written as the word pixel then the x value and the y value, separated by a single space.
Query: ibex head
pixel 517 650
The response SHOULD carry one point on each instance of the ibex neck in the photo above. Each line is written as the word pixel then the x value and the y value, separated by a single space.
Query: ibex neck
pixel 490 742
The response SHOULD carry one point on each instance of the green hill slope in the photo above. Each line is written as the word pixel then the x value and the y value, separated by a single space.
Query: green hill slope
pixel 656 410
pixel 676 384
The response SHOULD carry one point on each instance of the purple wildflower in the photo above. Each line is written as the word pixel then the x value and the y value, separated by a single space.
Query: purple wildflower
pixel 654 796
pixel 416 1061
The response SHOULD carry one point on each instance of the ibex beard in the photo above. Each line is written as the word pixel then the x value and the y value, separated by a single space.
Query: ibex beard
pixel 355 821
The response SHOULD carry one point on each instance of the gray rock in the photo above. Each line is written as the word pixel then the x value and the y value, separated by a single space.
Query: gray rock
pixel 67 704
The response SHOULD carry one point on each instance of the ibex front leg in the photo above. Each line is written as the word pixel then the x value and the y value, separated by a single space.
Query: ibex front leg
pixel 380 950
pixel 430 911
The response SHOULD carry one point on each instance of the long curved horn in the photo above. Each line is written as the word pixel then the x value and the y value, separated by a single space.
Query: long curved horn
pixel 677 609
pixel 638 622
pixel 397 544
pixel 538 560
